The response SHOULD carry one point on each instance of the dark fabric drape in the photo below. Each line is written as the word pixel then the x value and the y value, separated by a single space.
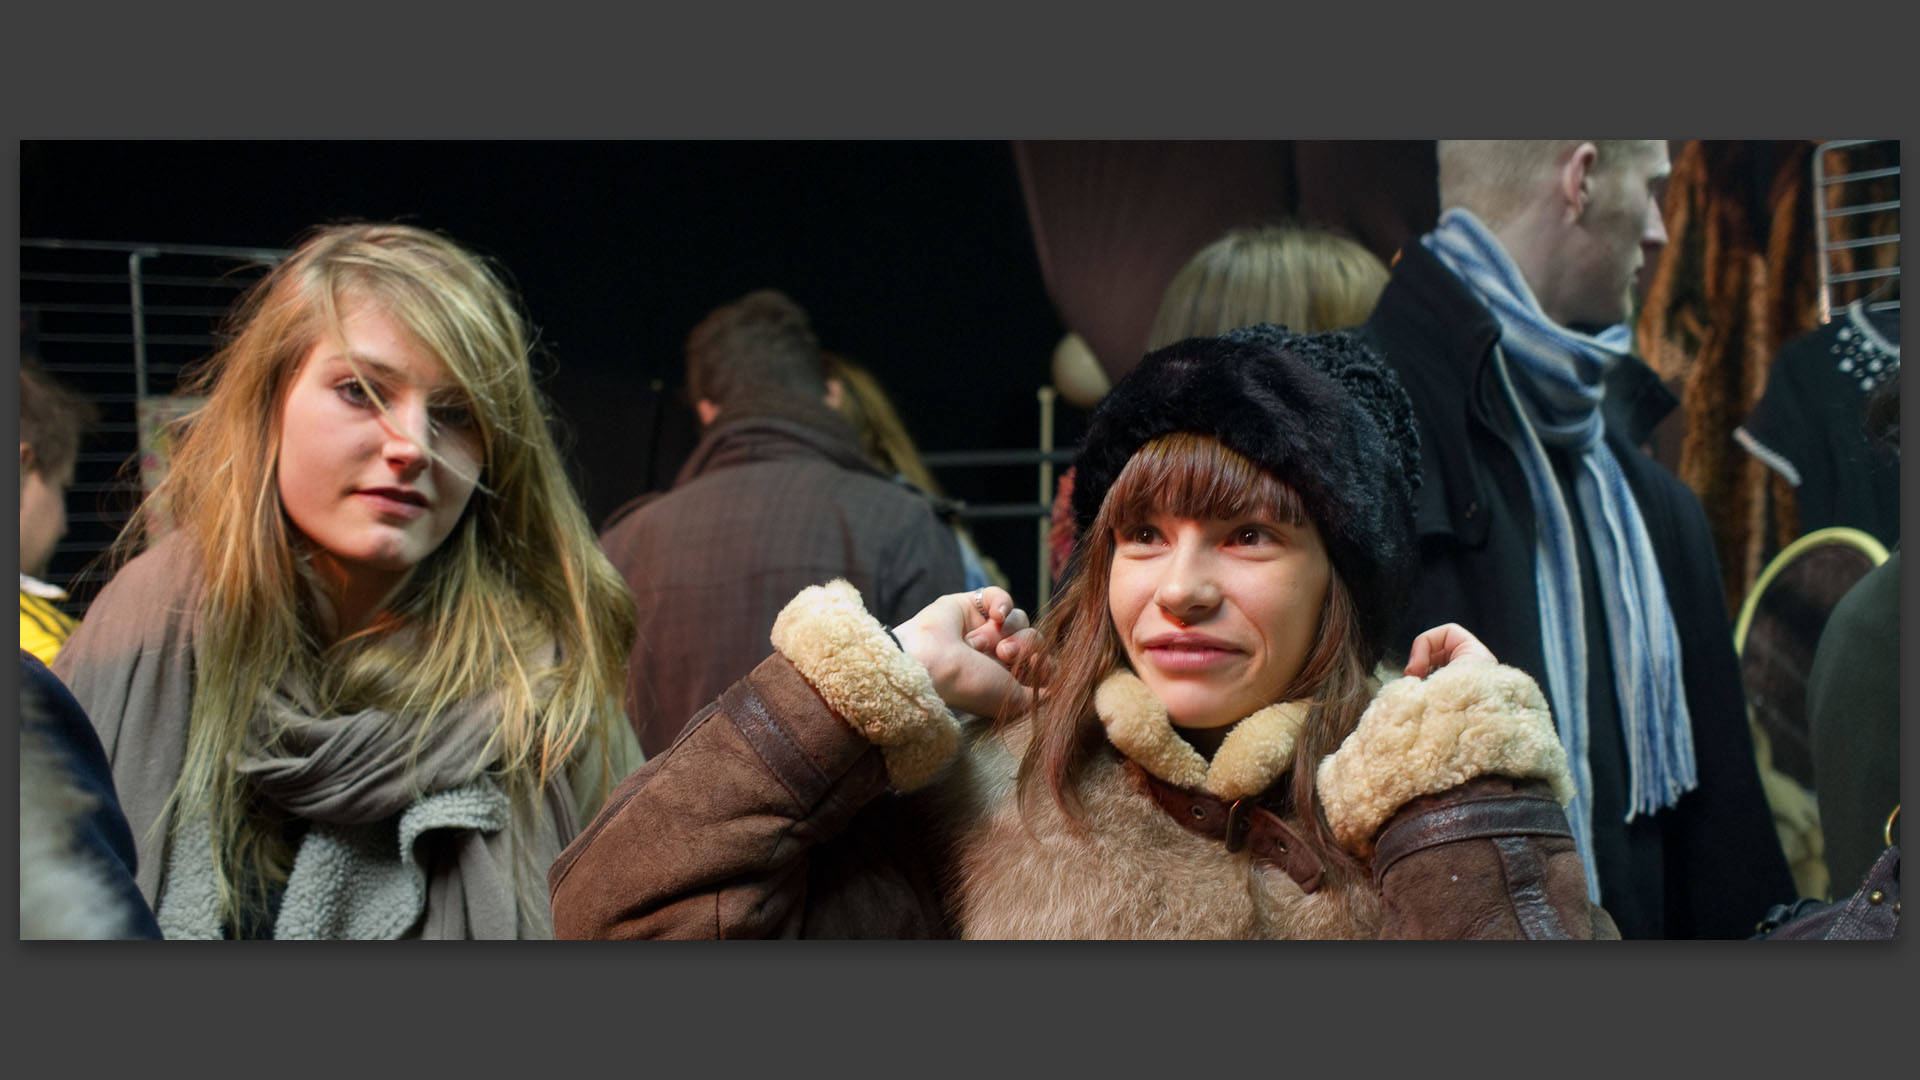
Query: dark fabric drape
pixel 1113 221
pixel 1383 193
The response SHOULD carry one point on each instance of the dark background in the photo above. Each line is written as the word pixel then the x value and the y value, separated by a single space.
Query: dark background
pixel 141 71
pixel 913 258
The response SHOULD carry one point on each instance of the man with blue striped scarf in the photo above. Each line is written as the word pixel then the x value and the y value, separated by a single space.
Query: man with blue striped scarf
pixel 1549 532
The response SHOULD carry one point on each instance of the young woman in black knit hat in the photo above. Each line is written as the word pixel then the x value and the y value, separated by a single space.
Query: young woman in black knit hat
pixel 1203 746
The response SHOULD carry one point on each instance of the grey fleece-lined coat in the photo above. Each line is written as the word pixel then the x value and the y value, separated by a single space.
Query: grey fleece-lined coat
pixel 831 794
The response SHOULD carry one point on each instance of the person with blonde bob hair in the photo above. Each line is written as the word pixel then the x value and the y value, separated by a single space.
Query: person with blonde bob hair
pixel 1194 742
pixel 1305 279
pixel 370 682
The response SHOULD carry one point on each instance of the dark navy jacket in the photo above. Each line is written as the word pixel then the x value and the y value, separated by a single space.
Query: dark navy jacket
pixel 1712 865
pixel 102 835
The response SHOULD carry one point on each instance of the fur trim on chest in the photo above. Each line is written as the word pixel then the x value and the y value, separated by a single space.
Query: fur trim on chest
pixel 1133 873
pixel 1253 755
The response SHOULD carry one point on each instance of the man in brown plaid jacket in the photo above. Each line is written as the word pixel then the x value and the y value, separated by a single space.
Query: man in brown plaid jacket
pixel 777 496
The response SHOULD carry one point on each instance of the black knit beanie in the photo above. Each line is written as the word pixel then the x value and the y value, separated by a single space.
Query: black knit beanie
pixel 1319 411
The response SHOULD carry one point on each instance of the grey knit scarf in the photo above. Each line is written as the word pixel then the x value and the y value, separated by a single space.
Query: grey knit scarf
pixel 380 814
pixel 131 665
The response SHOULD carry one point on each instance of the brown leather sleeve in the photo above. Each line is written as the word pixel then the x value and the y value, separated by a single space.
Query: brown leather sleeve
pixel 1490 859
pixel 760 821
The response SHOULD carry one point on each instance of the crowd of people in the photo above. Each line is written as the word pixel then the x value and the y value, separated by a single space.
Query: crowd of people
pixel 1372 622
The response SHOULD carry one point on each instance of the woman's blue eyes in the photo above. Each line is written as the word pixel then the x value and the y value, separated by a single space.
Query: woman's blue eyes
pixel 457 417
pixel 446 415
pixel 353 392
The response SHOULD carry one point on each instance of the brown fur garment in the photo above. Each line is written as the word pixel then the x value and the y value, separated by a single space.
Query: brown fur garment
pixel 1021 869
pixel 1134 873
pixel 1712 323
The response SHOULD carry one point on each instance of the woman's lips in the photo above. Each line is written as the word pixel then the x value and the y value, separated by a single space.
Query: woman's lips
pixel 1189 653
pixel 394 502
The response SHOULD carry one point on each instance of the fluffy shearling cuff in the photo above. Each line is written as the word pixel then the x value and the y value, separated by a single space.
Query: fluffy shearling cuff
pixel 1425 736
pixel 1249 760
pixel 860 672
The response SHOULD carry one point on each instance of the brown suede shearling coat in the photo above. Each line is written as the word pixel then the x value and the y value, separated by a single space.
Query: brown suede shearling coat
pixel 830 794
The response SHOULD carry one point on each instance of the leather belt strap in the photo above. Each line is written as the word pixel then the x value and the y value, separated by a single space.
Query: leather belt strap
pixel 1240 824
pixel 1505 815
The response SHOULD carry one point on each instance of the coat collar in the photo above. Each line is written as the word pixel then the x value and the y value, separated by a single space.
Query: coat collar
pixel 1430 304
pixel 1426 302
pixel 771 428
pixel 1439 338
pixel 1253 756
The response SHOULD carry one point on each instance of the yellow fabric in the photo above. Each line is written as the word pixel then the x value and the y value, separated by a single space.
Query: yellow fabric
pixel 43 627
pixel 1796 817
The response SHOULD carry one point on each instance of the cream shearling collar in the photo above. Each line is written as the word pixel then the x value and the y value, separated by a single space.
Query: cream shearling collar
pixel 1249 760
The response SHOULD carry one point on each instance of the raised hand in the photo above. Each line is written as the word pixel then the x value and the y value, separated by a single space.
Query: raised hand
pixel 1444 645
pixel 961 640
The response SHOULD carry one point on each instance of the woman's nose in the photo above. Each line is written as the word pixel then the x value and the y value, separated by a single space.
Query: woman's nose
pixel 407 428
pixel 1188 588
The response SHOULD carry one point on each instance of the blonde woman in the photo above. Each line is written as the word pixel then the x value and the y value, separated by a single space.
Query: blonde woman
pixel 370 685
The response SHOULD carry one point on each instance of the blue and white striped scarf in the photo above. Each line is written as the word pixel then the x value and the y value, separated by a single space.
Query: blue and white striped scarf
pixel 1552 378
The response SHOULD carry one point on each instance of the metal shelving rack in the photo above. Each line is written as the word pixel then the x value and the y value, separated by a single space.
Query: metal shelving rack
pixel 1855 222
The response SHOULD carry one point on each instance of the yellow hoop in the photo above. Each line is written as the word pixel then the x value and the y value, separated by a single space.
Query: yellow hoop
pixel 1836 534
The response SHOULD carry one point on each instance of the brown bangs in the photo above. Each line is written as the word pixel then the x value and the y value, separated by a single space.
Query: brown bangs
pixel 1188 475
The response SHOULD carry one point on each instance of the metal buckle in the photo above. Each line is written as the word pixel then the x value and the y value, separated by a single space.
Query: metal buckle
pixel 1238 824
pixel 1887 832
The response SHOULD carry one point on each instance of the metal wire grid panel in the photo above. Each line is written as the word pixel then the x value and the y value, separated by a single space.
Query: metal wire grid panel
pixel 1856 214
pixel 118 323
pixel 1044 457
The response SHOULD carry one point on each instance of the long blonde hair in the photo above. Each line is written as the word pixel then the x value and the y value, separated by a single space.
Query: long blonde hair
pixel 521 569
pixel 1306 280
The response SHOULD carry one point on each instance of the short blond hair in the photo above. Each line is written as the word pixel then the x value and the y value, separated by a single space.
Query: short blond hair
pixel 1495 178
pixel 1304 279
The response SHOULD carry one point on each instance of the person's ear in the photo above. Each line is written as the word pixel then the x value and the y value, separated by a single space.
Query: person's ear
pixel 1576 180
pixel 707 410
pixel 836 392
pixel 26 459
